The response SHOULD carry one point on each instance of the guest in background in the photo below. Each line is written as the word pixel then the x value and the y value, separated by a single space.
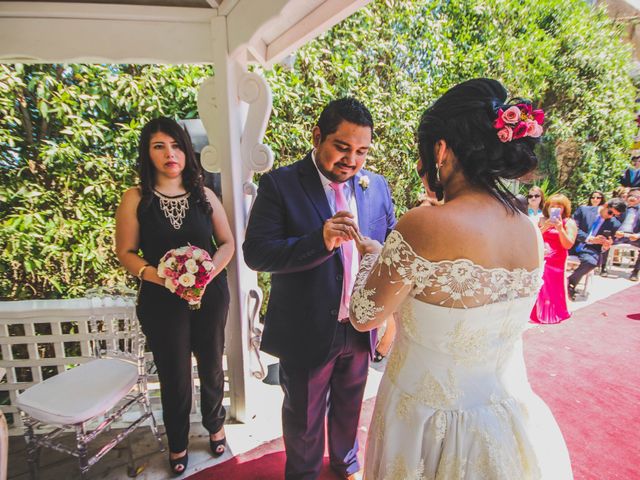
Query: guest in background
pixel 596 227
pixel 597 198
pixel 535 200
pixel 620 192
pixel 631 176
pixel 629 231
pixel 559 234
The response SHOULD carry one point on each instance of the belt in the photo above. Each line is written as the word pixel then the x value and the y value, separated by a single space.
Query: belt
pixel 344 320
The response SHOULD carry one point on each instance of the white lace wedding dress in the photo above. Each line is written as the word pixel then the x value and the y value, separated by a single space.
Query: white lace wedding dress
pixel 454 402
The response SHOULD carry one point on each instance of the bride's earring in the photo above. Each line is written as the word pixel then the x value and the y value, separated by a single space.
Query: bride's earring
pixel 438 173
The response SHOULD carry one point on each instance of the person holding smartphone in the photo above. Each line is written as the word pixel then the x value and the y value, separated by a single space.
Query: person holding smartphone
pixel 590 241
pixel 559 233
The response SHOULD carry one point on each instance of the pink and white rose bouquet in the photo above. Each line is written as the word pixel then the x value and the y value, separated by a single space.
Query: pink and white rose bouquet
pixel 519 121
pixel 187 271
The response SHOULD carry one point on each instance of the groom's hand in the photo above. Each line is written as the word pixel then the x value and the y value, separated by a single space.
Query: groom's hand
pixel 339 229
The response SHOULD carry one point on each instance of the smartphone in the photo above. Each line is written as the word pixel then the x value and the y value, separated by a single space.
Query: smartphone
pixel 554 213
pixel 607 233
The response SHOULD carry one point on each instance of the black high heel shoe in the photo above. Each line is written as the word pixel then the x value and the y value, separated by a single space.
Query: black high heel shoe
pixel 218 447
pixel 179 462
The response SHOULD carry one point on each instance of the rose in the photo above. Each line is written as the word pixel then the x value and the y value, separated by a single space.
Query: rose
pixel 525 108
pixel 197 254
pixel 191 266
pixel 168 283
pixel 520 130
pixel 511 115
pixel 364 182
pixel 533 129
pixel 538 116
pixel 187 279
pixel 161 269
pixel 498 123
pixel 208 266
pixel 505 134
pixel 170 262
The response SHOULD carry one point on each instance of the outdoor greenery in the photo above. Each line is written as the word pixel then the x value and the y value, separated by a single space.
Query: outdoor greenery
pixel 68 132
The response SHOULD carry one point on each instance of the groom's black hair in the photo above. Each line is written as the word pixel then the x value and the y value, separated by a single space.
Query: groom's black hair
pixel 344 109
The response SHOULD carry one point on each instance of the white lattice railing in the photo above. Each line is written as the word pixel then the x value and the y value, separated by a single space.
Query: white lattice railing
pixel 40 338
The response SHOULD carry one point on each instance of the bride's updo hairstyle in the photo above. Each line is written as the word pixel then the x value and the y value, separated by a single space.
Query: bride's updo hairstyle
pixel 465 117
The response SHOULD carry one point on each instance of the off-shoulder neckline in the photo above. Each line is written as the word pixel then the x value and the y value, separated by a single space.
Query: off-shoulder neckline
pixel 513 271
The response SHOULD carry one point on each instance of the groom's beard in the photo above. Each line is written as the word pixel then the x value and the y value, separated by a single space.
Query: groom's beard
pixel 338 178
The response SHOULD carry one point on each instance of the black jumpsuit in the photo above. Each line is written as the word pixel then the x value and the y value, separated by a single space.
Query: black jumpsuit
pixel 174 332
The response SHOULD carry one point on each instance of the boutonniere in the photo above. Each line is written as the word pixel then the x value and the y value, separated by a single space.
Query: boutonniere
pixel 364 182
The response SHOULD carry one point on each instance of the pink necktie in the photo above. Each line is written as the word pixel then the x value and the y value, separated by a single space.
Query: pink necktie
pixel 347 255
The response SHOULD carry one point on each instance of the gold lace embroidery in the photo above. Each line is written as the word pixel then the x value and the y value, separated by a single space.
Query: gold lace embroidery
pixel 466 345
pixel 409 323
pixel 432 393
pixel 396 361
pixel 400 471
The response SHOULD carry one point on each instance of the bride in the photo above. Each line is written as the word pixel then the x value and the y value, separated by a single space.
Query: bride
pixel 455 402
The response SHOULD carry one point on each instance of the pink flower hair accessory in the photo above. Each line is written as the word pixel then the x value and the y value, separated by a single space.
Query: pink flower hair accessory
pixel 518 121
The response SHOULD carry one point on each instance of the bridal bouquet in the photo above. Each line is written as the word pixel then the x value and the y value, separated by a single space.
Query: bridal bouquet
pixel 187 271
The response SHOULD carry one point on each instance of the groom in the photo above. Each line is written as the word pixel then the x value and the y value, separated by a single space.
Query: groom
pixel 301 229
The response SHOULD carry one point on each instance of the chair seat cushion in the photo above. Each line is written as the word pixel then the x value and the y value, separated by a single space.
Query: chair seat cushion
pixel 81 393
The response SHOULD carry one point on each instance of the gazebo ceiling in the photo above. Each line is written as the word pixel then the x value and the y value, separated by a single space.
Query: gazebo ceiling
pixel 162 31
pixel 148 3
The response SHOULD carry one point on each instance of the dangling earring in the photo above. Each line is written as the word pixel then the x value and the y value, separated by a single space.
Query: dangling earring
pixel 438 173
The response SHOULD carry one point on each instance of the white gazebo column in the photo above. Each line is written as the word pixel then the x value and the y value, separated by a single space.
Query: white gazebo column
pixel 234 106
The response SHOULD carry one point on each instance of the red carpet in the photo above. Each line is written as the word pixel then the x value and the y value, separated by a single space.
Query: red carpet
pixel 587 369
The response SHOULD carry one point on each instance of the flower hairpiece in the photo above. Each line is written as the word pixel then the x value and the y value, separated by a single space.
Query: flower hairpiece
pixel 518 121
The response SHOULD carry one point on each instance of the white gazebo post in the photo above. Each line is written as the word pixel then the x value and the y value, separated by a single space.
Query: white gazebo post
pixel 235 134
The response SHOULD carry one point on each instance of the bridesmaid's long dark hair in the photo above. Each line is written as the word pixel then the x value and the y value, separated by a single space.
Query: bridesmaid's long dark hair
pixel 192 175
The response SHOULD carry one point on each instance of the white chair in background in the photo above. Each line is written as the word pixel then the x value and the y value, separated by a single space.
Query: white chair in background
pixel 619 250
pixel 91 396
pixel 572 263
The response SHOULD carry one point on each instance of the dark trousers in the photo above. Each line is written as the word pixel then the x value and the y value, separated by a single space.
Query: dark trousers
pixel 588 262
pixel 334 389
pixel 174 332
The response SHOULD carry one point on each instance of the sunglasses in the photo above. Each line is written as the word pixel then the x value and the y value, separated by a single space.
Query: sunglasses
pixel 612 212
pixel 535 195
pixel 596 196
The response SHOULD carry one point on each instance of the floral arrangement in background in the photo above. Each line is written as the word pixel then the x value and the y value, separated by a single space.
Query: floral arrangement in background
pixel 519 121
pixel 187 271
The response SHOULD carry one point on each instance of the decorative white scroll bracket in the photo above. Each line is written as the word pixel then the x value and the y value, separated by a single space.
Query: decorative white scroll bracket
pixel 256 156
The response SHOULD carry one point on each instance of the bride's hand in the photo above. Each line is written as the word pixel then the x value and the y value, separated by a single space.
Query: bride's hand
pixel 367 245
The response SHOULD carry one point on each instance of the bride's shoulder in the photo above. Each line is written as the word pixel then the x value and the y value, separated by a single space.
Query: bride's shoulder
pixel 423 227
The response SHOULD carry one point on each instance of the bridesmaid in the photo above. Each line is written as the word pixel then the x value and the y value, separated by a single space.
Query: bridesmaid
pixel 559 233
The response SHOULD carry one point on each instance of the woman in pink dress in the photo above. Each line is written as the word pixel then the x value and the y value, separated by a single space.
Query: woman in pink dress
pixel 559 233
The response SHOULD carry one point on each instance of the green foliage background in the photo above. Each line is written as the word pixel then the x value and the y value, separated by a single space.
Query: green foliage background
pixel 68 132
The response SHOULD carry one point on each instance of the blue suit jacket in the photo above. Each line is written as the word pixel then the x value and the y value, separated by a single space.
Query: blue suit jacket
pixel 584 217
pixel 630 177
pixel 635 228
pixel 284 237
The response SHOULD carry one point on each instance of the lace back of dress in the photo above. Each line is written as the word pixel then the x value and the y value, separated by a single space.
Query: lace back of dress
pixel 458 283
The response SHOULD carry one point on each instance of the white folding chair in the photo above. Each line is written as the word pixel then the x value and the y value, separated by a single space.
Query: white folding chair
pixel 90 397
pixel 572 263
pixel 619 250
